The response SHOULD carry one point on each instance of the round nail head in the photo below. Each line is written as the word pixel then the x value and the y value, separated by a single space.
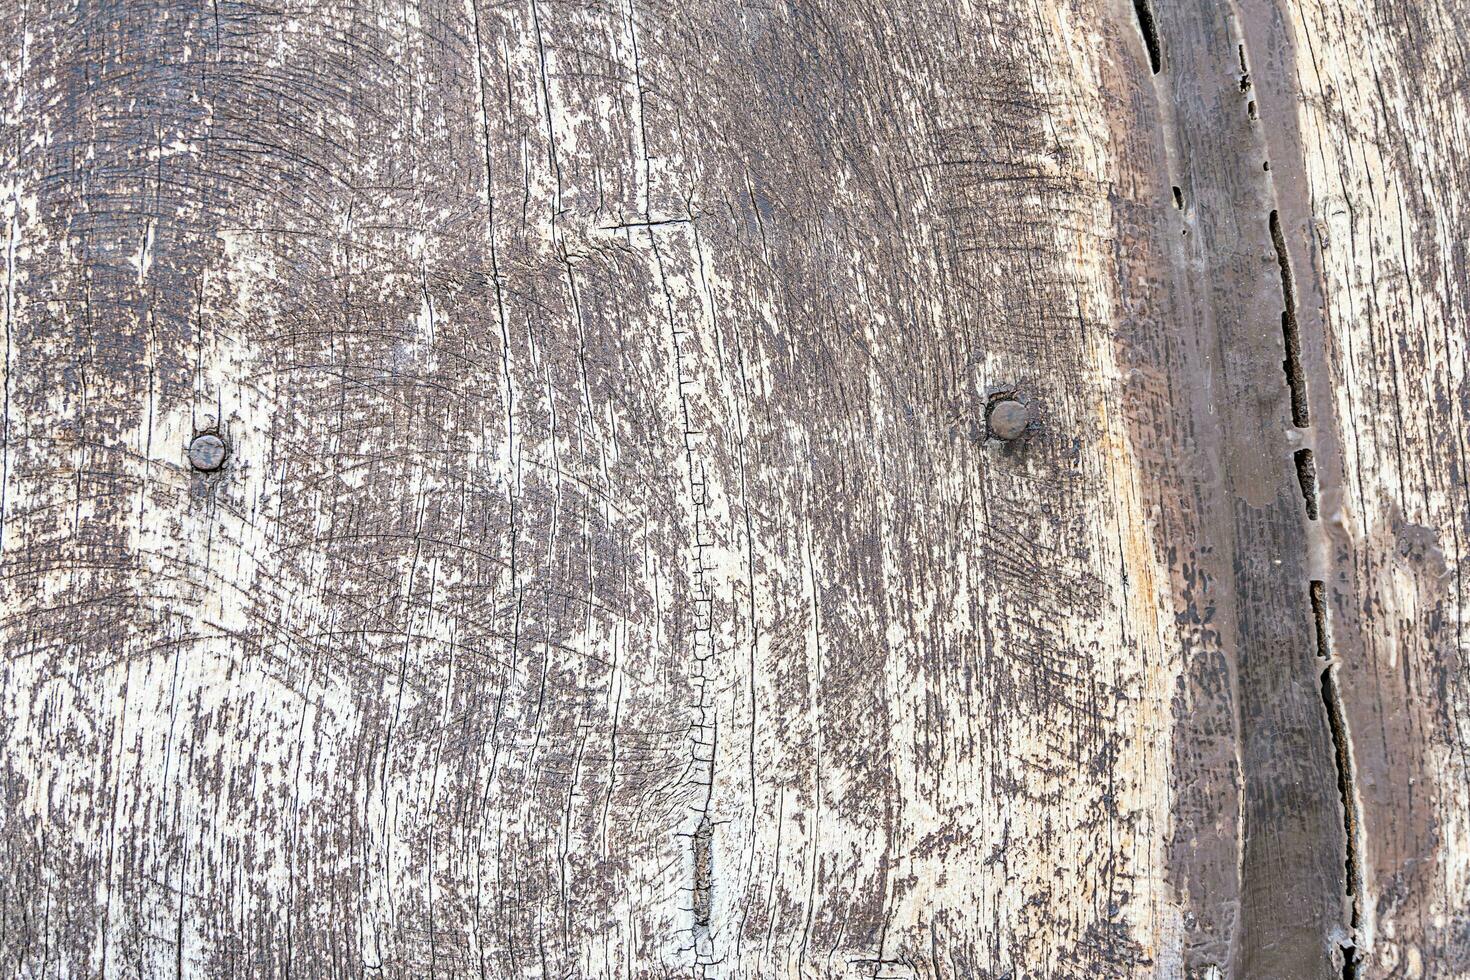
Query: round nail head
pixel 207 453
pixel 1007 419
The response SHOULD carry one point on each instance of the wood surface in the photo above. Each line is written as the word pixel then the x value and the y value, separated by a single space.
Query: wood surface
pixel 612 574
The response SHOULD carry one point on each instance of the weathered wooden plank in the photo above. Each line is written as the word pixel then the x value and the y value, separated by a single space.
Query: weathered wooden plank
pixel 1383 114
pixel 1259 832
pixel 611 574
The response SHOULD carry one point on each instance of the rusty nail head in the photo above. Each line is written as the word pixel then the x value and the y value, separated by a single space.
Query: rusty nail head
pixel 1007 419
pixel 207 452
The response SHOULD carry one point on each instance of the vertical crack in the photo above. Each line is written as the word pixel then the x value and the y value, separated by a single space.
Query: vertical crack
pixel 704 840
pixel 1306 472
pixel 1306 475
pixel 1300 415
pixel 1318 594
pixel 1150 31
pixel 1347 788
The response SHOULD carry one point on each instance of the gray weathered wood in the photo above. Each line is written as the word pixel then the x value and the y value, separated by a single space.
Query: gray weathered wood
pixel 611 575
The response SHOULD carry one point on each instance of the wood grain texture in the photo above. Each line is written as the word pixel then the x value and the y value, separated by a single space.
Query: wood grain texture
pixel 1384 114
pixel 611 575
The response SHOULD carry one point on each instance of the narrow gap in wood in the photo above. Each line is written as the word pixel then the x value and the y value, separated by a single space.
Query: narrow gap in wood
pixel 704 839
pixel 1150 34
pixel 1178 198
pixel 1346 787
pixel 1245 84
pixel 1319 617
pixel 1306 471
pixel 1300 415
pixel 1306 475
